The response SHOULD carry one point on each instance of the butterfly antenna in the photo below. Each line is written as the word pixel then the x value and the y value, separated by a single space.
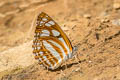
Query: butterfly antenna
pixel 30 29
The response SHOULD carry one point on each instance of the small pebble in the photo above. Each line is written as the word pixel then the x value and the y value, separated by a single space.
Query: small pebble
pixel 2 15
pixel 104 14
pixel 65 28
pixel 105 20
pixel 89 61
pixel 116 4
pixel 116 22
pixel 88 16
pixel 77 69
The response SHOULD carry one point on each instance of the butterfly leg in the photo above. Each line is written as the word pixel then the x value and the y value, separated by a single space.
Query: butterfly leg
pixel 65 65
pixel 47 68
pixel 77 58
pixel 62 73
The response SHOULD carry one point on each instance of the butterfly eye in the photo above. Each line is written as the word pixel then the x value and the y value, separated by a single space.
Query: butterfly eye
pixel 51 46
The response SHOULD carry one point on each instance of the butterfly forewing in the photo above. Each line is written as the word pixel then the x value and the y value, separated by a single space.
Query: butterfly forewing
pixel 51 46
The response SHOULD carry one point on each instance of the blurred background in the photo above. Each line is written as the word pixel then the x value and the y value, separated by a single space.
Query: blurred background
pixel 91 25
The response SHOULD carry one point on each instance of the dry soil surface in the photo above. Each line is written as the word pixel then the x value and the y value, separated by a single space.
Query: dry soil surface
pixel 93 27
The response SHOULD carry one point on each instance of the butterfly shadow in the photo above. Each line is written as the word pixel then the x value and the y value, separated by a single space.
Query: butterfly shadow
pixel 64 67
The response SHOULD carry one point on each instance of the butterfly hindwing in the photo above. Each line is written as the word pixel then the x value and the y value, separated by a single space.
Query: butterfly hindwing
pixel 51 45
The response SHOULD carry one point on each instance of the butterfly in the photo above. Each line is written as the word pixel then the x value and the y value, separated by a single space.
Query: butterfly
pixel 51 46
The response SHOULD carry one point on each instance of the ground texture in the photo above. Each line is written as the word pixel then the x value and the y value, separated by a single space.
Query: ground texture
pixel 93 27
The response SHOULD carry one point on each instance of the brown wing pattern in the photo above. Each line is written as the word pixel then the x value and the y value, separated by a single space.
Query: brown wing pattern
pixel 51 46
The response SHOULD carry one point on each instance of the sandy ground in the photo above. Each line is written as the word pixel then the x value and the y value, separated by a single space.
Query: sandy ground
pixel 93 27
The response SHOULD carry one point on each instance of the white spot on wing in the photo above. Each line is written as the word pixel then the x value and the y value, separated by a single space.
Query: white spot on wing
pixel 55 33
pixel 33 48
pixel 47 24
pixel 35 54
pixel 41 22
pixel 40 59
pixel 44 19
pixel 51 22
pixel 38 44
pixel 40 25
pixel 45 33
pixel 41 53
pixel 38 47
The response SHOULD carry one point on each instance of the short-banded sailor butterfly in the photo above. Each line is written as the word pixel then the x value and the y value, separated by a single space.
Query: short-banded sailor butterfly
pixel 51 46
